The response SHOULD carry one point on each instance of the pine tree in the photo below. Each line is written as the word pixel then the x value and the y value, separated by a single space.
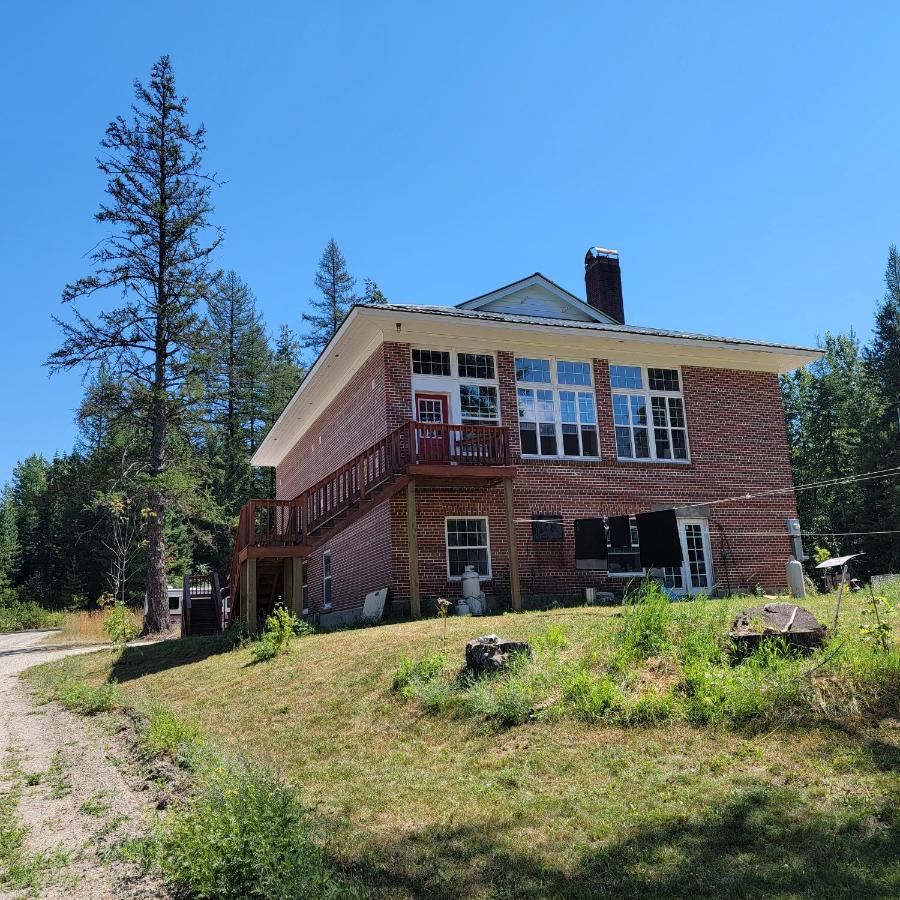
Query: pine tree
pixel 157 255
pixel 372 294
pixel 237 359
pixel 337 294
pixel 882 427
pixel 9 543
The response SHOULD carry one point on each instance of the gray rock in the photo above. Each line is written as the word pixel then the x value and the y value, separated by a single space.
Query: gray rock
pixel 777 621
pixel 491 653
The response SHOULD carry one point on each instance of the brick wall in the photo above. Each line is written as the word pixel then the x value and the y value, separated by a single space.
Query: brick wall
pixel 353 421
pixel 738 445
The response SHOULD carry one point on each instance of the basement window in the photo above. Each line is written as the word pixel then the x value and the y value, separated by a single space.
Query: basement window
pixel 326 580
pixel 546 528
pixel 304 585
pixel 468 544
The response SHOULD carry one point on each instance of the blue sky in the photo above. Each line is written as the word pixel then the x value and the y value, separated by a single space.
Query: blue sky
pixel 743 158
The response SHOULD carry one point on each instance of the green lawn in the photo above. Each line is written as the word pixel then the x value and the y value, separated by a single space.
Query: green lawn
pixel 451 805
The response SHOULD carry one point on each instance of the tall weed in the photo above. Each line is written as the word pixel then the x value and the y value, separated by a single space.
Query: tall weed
pixel 244 834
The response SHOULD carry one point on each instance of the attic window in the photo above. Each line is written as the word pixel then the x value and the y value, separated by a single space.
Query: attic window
pixel 431 362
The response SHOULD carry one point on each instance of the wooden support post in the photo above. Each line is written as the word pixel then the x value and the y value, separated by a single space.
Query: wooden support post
pixel 415 600
pixel 248 593
pixel 515 589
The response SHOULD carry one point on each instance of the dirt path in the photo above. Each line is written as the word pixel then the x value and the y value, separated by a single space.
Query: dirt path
pixel 76 794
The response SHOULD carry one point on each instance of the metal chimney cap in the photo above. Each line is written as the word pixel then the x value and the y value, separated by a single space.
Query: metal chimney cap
pixel 603 251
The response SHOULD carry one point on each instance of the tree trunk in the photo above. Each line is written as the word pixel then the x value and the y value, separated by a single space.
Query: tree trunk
pixel 158 618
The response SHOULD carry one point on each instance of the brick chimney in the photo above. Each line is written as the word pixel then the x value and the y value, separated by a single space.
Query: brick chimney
pixel 603 280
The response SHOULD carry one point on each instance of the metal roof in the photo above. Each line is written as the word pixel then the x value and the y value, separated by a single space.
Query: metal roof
pixel 512 318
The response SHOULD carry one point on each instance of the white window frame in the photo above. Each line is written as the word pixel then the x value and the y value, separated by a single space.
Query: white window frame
pixel 304 586
pixel 450 384
pixel 329 578
pixel 686 589
pixel 555 386
pixel 487 546
pixel 648 396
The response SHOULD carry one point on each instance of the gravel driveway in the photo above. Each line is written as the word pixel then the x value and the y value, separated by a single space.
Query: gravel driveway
pixel 78 794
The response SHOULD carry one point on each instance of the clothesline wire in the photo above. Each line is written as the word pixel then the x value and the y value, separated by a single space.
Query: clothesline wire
pixel 862 476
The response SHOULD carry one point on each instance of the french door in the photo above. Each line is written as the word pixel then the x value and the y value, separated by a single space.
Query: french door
pixel 433 445
pixel 695 575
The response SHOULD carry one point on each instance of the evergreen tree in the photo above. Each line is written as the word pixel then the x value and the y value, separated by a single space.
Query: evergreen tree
pixel 825 405
pixel 157 255
pixel 372 293
pixel 882 427
pixel 9 543
pixel 337 289
pixel 238 359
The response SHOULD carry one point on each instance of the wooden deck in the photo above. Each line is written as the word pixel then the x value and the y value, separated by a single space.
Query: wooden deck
pixel 416 451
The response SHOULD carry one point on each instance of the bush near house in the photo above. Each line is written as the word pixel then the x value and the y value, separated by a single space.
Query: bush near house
pixel 627 759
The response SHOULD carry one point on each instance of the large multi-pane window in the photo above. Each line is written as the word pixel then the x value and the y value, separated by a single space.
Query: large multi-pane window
pixel 468 545
pixel 468 381
pixel 648 413
pixel 556 418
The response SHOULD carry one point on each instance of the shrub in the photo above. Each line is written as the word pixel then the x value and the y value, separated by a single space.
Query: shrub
pixel 19 616
pixel 245 834
pixel 120 625
pixel 276 639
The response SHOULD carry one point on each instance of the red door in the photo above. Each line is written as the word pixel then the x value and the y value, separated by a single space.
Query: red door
pixel 433 444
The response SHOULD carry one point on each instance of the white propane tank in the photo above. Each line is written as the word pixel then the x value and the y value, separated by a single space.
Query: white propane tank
pixel 471 583
pixel 473 596
pixel 796 579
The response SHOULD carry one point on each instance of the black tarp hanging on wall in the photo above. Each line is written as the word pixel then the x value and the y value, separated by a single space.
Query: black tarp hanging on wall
pixel 619 531
pixel 590 544
pixel 660 543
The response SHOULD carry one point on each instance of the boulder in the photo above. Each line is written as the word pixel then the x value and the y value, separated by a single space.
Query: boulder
pixel 491 653
pixel 777 621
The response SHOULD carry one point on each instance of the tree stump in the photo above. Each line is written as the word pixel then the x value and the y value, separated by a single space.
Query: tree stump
pixel 797 626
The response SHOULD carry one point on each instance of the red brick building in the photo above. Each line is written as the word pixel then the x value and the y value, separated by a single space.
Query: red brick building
pixel 426 439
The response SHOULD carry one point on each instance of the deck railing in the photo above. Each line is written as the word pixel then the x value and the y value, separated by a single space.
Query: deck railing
pixel 284 523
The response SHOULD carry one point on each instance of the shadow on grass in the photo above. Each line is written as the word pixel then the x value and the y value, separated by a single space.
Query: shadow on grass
pixel 760 844
pixel 138 660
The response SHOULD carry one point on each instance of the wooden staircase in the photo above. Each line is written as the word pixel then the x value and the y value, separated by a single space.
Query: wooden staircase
pixel 272 530
pixel 202 605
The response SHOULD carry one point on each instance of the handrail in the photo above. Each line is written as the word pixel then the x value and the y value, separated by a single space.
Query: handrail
pixel 273 523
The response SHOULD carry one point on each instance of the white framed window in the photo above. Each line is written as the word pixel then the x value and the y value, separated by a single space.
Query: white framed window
pixel 468 544
pixel 326 580
pixel 468 379
pixel 430 362
pixel 648 413
pixel 557 408
pixel 304 585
